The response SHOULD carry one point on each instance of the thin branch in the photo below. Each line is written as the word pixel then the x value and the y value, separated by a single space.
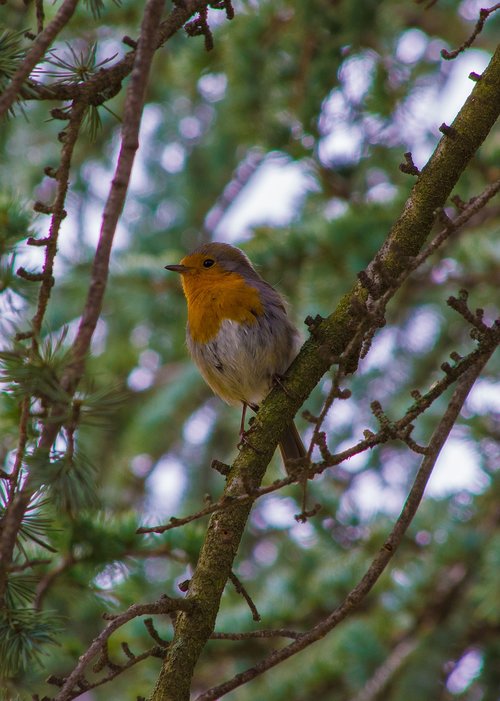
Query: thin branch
pixel 46 582
pixel 484 13
pixel 175 522
pixel 245 170
pixel 380 562
pixel 13 513
pixel 18 501
pixel 164 605
pixel 472 208
pixel 240 589
pixel 116 670
pixel 40 15
pixel 255 634
pixel 397 429
pixel 21 446
pixel 107 82
pixel 28 564
pixel 70 136
pixel 37 51
pixel 378 681
pixel 134 103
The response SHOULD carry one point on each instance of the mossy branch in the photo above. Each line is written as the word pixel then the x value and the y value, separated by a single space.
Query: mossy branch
pixel 331 336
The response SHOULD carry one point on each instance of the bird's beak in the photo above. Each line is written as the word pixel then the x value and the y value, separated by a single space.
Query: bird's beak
pixel 177 268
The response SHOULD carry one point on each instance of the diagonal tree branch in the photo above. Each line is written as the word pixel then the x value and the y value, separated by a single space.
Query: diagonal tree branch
pixel 380 562
pixel 331 336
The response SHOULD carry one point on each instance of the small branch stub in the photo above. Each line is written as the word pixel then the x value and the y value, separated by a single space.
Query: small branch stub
pixel 221 467
pixel 128 41
pixel 32 277
pixel 447 130
pixel 409 166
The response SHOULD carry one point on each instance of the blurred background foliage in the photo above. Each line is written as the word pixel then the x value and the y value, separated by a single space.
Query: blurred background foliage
pixel 285 139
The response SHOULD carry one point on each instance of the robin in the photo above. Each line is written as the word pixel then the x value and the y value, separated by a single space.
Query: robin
pixel 238 332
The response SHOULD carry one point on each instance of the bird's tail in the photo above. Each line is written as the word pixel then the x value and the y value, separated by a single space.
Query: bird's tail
pixel 290 445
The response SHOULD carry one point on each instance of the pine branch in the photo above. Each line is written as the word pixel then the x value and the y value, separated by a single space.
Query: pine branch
pixel 114 205
pixel 40 46
pixel 107 82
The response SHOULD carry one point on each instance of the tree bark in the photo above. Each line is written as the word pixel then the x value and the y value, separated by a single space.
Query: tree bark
pixel 331 337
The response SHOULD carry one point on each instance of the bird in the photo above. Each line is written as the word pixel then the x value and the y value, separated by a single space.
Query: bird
pixel 238 331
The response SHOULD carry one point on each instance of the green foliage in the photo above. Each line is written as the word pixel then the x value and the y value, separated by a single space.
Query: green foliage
pixel 24 635
pixel 12 53
pixel 70 479
pixel 327 90
pixel 36 372
pixel 15 223
pixel 20 590
pixel 97 6
pixel 72 67
pixel 15 226
pixel 37 524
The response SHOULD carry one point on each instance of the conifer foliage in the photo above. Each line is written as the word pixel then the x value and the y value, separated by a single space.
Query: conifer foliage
pixel 352 150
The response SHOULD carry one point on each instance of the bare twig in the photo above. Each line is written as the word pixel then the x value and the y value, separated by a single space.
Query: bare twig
pixel 255 634
pixel 28 564
pixel 46 582
pixel 241 590
pixel 12 516
pixel 114 669
pixel 134 103
pixel 177 522
pixel 468 211
pixel 409 166
pixel 40 46
pixel 360 591
pixel 164 605
pixel 76 115
pixel 484 13
pixel 240 178
pixel 372 317
pixel 386 671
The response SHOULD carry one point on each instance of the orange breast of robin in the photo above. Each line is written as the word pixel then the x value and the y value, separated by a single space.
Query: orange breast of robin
pixel 214 298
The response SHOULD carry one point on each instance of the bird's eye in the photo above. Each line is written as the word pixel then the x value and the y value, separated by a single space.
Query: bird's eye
pixel 208 262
